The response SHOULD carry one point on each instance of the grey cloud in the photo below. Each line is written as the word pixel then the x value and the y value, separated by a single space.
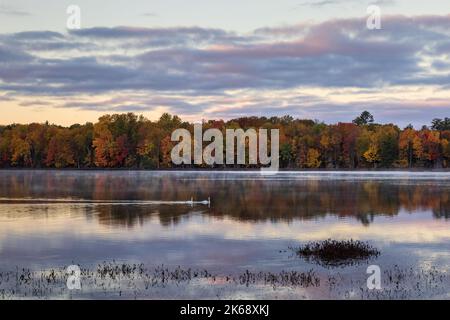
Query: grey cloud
pixel 137 104
pixel 10 55
pixel 402 113
pixel 6 98
pixel 11 11
pixel 202 62
pixel 105 107
pixel 34 103
pixel 383 2
pixel 43 41
pixel 150 14
pixel 323 3
pixel 320 3
pixel 37 35
pixel 132 108
pixel 159 36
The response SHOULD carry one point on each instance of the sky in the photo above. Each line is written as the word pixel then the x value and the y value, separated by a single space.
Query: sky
pixel 222 59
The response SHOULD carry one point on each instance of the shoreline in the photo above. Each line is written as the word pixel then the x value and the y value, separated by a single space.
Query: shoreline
pixel 284 170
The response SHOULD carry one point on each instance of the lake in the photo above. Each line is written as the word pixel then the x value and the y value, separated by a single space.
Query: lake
pixel 136 235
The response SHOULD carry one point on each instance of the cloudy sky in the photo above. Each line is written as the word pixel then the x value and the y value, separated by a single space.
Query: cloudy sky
pixel 203 59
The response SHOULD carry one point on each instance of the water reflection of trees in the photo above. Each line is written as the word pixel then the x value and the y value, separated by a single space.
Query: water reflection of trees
pixel 129 216
pixel 246 199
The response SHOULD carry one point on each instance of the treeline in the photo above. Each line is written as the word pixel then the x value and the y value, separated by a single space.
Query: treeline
pixel 131 141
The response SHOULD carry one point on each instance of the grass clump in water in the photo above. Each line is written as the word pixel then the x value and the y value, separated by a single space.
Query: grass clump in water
pixel 337 253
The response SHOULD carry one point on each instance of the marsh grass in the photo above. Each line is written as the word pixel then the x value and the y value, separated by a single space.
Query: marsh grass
pixel 332 253
pixel 115 280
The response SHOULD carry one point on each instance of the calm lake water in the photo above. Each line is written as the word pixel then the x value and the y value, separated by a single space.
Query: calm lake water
pixel 236 247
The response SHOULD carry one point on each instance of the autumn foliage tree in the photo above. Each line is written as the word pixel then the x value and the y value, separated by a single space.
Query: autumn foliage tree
pixel 60 152
pixel 131 141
